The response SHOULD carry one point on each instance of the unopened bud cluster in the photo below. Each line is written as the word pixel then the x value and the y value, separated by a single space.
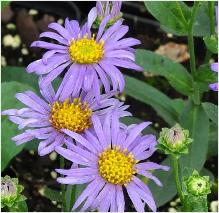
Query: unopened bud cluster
pixel 174 140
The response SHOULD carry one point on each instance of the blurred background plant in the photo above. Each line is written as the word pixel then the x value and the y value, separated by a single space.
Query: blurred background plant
pixel 160 94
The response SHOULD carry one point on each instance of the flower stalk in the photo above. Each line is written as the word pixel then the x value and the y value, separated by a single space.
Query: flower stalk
pixel 175 165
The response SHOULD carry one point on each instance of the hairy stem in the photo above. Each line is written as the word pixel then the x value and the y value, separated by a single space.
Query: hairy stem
pixel 177 179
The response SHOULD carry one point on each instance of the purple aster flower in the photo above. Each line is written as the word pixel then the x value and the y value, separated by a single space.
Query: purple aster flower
pixel 214 86
pixel 45 118
pixel 106 8
pixel 87 57
pixel 109 159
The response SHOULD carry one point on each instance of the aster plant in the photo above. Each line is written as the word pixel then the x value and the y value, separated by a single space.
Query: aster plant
pixel 87 126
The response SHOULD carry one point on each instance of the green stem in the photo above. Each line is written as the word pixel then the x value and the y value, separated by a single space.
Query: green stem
pixel 191 40
pixel 212 28
pixel 62 165
pixel 177 179
pixel 196 94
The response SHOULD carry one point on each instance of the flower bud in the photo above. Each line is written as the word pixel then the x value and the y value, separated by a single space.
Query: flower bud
pixel 197 185
pixel 174 140
pixel 10 192
pixel 105 8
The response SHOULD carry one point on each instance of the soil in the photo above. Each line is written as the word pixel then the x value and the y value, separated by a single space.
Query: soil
pixel 33 171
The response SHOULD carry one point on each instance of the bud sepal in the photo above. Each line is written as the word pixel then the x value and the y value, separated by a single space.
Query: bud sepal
pixel 174 141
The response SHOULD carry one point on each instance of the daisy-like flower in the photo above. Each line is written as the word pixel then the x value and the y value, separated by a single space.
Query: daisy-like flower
pixel 87 57
pixel 214 86
pixel 109 161
pixel 45 118
pixel 105 8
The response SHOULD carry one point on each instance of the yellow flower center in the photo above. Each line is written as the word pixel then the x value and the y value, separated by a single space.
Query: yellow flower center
pixel 86 51
pixel 74 116
pixel 116 166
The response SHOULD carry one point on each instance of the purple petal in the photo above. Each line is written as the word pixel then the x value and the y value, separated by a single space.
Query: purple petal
pixel 146 197
pixel 88 78
pixel 39 100
pixel 40 68
pixel 92 15
pixel 103 77
pixel 54 142
pixel 77 172
pixel 89 189
pixel 120 54
pixel 134 133
pixel 69 83
pixel 102 27
pixel 152 166
pixel 214 86
pixel 124 63
pixel 99 130
pixel 31 103
pixel 135 198
pixel 92 196
pixel 53 75
pixel 61 30
pixel 80 139
pixel 111 30
pixel 120 199
pixel 72 180
pixel 149 175
pixel 47 45
pixel 75 27
pixel 23 138
pixel 74 157
pixel 55 36
pixel 214 67
pixel 86 154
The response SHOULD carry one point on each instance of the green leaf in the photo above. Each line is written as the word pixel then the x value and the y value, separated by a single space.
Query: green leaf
pixel 173 16
pixel 19 207
pixel 213 140
pixel 9 130
pixel 19 74
pixel 196 121
pixel 174 72
pixel 72 193
pixel 165 193
pixel 153 97
pixel 51 194
pixel 211 43
pixel 211 111
pixel 201 25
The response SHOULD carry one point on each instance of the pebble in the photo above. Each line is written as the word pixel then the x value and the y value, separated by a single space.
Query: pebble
pixel 60 21
pixel 24 51
pixel 33 12
pixel 172 203
pixel 11 26
pixel 10 41
pixel 214 206
pixel 53 156
pixel 3 61
pixel 53 174
pixel 171 210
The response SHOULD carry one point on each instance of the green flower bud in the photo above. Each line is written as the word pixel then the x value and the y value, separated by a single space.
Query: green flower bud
pixel 11 192
pixel 197 185
pixel 174 140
